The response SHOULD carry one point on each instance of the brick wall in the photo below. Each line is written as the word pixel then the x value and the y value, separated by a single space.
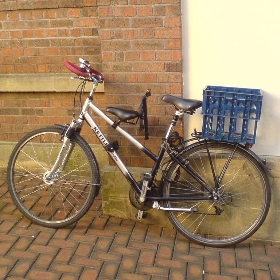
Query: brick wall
pixel 136 44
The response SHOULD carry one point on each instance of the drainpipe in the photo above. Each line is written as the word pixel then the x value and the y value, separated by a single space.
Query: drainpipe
pixel 184 21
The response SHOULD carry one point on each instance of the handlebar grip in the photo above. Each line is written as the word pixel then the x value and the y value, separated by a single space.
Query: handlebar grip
pixel 80 72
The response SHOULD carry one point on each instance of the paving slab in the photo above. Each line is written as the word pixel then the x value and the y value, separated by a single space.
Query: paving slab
pixel 103 247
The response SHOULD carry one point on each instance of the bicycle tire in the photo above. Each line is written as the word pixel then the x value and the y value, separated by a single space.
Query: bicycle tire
pixel 243 197
pixel 63 201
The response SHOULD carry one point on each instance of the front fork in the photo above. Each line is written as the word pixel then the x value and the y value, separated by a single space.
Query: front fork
pixel 63 156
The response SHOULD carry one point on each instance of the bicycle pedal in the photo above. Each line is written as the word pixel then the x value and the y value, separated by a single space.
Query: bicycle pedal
pixel 141 215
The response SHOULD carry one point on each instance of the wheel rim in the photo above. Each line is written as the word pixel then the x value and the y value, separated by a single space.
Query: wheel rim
pixel 241 200
pixel 54 200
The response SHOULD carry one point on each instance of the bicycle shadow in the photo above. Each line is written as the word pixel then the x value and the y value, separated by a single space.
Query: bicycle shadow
pixel 268 132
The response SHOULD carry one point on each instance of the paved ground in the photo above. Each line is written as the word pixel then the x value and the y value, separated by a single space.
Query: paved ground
pixel 101 247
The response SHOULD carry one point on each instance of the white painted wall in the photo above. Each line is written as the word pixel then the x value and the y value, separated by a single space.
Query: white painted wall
pixel 235 43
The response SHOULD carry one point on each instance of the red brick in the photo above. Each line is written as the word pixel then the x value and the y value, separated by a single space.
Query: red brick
pixel 66 276
pixel 84 250
pixel 170 263
pixel 146 33
pixel 228 258
pixel 169 55
pixel 75 12
pixel 144 2
pixel 123 11
pixel 212 265
pixel 243 253
pixel 151 22
pixel 6 226
pixel 219 277
pixel 65 268
pixel 165 251
pixel 262 275
pixel 39 33
pixel 22 254
pixel 58 243
pixel 44 275
pixel 90 3
pixel 4 271
pixel 121 239
pixel 89 274
pixel 173 44
pixel 64 255
pixel 147 257
pixel 106 256
pixel 15 34
pixel 14 15
pixel 109 270
pixel 167 33
pixel 130 275
pixel 275 270
pixel 43 261
pixel 158 271
pixel 145 11
pixel 50 14
pixel 81 261
pixel 148 67
pixel 239 272
pixel 26 33
pixel 105 11
pixel 128 263
pixel 129 34
pixel 21 268
pixel 4 34
pixel 6 52
pixel 7 262
pixel 194 270
pixel 253 265
pixel 173 22
pixel 23 243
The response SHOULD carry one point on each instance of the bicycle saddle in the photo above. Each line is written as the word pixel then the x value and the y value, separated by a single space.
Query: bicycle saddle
pixel 187 105
pixel 124 115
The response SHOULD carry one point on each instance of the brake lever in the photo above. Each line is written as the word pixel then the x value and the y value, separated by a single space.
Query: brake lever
pixel 84 62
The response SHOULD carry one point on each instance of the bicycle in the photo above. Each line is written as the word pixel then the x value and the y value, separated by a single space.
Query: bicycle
pixel 215 193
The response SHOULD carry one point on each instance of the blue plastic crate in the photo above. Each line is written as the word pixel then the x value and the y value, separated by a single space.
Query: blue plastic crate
pixel 231 114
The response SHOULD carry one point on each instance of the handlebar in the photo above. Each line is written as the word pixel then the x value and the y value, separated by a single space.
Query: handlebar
pixel 84 71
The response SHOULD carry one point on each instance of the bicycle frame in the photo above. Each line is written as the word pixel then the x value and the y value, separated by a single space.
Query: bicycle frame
pixel 84 115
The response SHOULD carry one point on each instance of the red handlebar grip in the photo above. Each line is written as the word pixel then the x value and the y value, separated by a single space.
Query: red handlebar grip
pixel 78 71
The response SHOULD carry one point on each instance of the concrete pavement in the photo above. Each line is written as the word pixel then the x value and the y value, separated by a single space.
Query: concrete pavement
pixel 103 247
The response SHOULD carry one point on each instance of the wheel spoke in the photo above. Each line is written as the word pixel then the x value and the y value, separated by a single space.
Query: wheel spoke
pixel 64 197
pixel 240 202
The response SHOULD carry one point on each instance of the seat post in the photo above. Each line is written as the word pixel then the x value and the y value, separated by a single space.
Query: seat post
pixel 173 123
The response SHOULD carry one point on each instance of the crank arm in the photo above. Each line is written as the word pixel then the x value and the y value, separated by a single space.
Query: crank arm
pixel 188 209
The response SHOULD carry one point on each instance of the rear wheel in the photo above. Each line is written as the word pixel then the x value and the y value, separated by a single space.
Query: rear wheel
pixel 63 199
pixel 239 202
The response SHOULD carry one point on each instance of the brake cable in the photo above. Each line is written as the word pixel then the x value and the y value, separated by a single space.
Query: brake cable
pixel 81 89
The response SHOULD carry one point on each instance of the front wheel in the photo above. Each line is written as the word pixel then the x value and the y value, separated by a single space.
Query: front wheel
pixel 65 198
pixel 239 202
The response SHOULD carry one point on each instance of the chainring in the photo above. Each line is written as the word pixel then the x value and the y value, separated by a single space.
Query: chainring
pixel 134 200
